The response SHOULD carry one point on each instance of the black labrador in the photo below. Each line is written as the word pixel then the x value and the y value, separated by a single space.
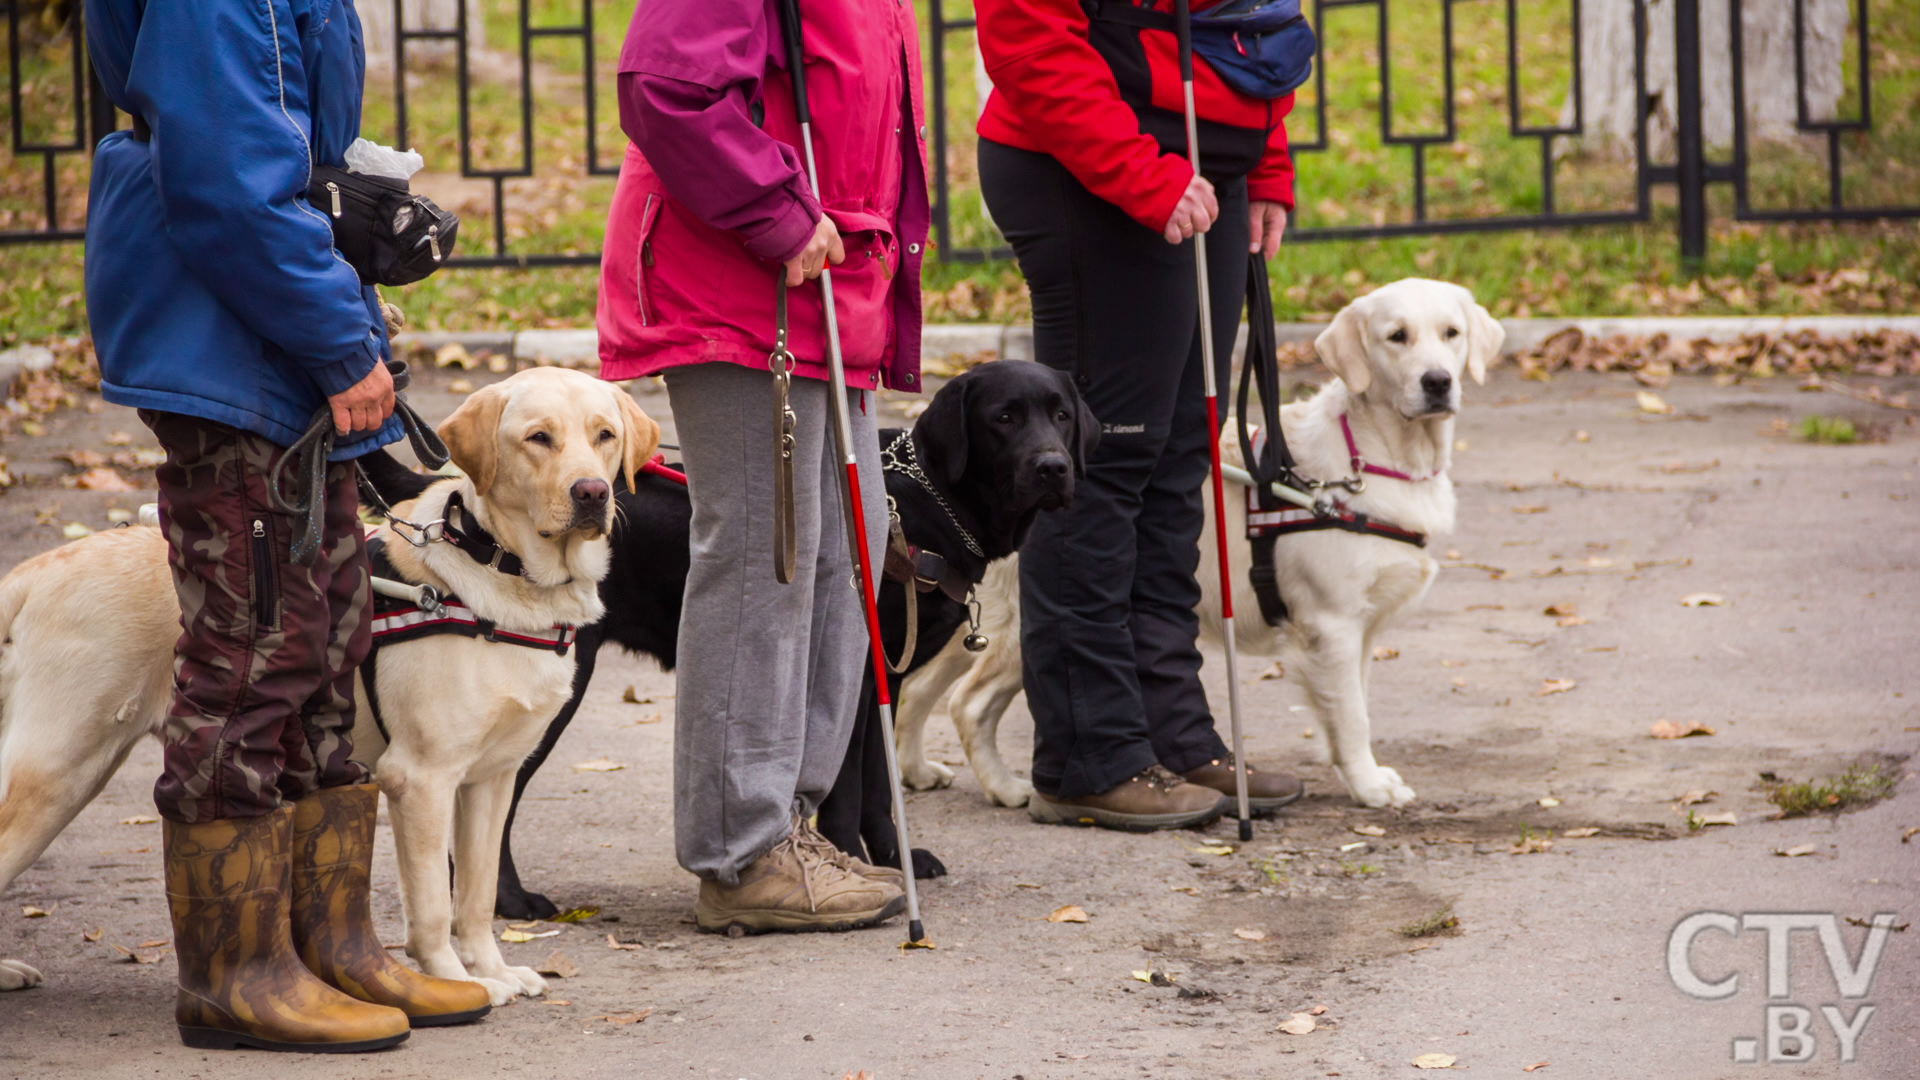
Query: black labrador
pixel 996 446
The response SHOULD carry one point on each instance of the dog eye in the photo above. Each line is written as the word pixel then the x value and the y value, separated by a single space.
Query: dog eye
pixel 540 437
pixel 1452 332
pixel 1062 416
pixel 605 434
pixel 1004 418
pixel 1398 337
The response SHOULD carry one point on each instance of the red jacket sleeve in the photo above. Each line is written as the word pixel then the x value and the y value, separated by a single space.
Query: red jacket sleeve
pixel 1041 63
pixel 1272 179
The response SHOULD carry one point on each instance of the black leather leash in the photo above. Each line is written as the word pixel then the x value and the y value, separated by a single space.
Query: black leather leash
pixel 307 460
pixel 786 538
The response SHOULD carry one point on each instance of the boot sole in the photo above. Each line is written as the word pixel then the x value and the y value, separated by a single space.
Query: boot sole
pixel 449 1019
pixel 1050 813
pixel 777 922
pixel 200 1038
pixel 1260 807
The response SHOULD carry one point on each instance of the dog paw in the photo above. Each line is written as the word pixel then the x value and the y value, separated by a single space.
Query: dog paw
pixel 523 906
pixel 1014 792
pixel 499 991
pixel 1382 788
pixel 15 975
pixel 528 980
pixel 925 775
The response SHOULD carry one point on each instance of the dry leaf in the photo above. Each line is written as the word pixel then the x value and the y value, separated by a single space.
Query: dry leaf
pixel 141 819
pixel 1535 509
pixel 1572 620
pixel 94 935
pixel 1298 1024
pixel 1669 729
pixel 1797 850
pixel 1369 830
pixel 1250 935
pixel 1028 885
pixel 154 943
pixel 119 438
pixel 1549 802
pixel 1381 652
pixel 626 1018
pixel 1692 798
pixel 515 936
pixel 1536 1065
pixel 460 386
pixel 31 912
pixel 1596 562
pixel 1719 819
pixel 73 530
pixel 1652 403
pixel 576 915
pixel 1909 834
pixel 1188 889
pixel 1532 845
pixel 1317 1010
pixel 1434 1061
pixel 554 1001
pixel 1453 663
pixel 1581 834
pixel 1212 849
pixel 599 765
pixel 1459 680
pixel 1561 609
pixel 134 957
pixel 453 354
pixel 102 479
pixel 633 698
pixel 624 946
pixel 1277 671
pixel 559 965
pixel 1702 599
pixel 922 943
pixel 1068 913
pixel 1554 686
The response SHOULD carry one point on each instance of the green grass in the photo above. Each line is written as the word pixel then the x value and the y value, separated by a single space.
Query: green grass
pixel 1827 429
pixel 1358 180
pixel 1858 786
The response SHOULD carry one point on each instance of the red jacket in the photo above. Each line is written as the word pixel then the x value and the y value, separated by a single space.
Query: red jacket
pixel 1055 94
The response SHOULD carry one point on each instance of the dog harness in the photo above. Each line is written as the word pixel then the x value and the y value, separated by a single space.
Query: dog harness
pixel 1360 465
pixel 919 570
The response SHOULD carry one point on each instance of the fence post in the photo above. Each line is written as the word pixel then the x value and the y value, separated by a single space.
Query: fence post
pixel 1692 172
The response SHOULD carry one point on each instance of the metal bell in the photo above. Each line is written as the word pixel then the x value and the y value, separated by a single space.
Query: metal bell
pixel 975 642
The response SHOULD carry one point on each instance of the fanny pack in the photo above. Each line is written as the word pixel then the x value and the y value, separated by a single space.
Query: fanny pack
pixel 383 230
pixel 1262 48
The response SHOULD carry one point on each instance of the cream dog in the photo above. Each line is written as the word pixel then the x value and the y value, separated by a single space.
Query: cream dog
pixel 540 451
pixel 1399 353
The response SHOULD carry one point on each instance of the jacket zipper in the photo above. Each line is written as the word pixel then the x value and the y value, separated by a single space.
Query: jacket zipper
pixel 266 595
pixel 645 260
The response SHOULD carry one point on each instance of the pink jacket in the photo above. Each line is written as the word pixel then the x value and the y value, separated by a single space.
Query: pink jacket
pixel 709 200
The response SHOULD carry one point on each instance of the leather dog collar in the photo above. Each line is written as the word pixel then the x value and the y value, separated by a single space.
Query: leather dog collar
pixel 477 542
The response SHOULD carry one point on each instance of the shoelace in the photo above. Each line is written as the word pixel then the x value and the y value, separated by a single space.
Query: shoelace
pixel 1157 775
pixel 808 838
pixel 805 851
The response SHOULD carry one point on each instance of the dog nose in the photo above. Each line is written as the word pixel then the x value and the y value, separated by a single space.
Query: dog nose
pixel 1051 466
pixel 590 495
pixel 1436 383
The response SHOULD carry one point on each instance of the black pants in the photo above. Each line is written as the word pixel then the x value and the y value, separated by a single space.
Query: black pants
pixel 1107 588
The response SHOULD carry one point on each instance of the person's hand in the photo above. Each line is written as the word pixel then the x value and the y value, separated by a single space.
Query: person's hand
pixel 1195 212
pixel 824 248
pixel 365 405
pixel 1266 224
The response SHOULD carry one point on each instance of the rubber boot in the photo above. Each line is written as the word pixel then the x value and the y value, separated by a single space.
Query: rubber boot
pixel 241 982
pixel 333 924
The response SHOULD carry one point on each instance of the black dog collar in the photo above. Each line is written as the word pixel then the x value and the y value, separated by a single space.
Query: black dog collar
pixel 477 542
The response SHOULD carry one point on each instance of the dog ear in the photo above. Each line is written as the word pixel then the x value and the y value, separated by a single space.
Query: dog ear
pixel 1086 426
pixel 1485 335
pixel 641 439
pixel 1343 348
pixel 941 432
pixel 472 435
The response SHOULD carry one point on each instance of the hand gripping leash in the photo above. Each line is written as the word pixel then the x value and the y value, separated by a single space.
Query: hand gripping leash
pixel 850 480
pixel 1183 28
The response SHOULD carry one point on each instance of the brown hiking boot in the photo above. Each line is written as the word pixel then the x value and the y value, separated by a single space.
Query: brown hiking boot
pixel 794 888
pixel 333 926
pixel 241 982
pixel 807 835
pixel 1265 790
pixel 1155 799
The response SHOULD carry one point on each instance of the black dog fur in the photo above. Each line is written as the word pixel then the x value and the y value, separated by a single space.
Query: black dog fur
pixel 1002 442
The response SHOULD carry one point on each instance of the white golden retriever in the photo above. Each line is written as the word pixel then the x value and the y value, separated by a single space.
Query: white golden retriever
pixel 1399 353
pixel 90 666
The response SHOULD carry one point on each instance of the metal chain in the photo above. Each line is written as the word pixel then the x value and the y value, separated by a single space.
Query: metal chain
pixel 892 461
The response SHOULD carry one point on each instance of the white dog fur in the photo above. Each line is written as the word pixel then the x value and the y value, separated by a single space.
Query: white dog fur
pixel 90 664
pixel 1341 587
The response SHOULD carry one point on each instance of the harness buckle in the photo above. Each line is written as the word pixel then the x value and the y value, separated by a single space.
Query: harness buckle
pixel 418 534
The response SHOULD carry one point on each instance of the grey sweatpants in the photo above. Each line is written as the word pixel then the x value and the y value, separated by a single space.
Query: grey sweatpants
pixel 769 674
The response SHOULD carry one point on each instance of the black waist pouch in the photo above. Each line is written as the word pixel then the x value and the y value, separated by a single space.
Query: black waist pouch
pixel 383 230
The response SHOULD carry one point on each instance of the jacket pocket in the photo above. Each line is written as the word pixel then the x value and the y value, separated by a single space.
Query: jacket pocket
pixel 266 584
pixel 643 257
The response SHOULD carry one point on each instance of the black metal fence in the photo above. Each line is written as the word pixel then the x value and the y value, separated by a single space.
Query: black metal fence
pixel 86 116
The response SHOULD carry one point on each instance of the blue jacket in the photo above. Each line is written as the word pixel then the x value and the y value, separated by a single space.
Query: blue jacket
pixel 212 287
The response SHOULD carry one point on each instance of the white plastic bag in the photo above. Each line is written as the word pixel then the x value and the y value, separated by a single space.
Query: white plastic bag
pixel 372 159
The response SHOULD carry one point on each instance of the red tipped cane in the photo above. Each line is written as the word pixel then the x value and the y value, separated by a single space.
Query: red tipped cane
pixel 1183 28
pixel 850 479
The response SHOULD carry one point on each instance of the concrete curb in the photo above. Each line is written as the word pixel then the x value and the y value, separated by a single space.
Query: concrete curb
pixel 581 348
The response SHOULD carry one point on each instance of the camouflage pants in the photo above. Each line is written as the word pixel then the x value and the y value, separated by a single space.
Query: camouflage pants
pixel 263 699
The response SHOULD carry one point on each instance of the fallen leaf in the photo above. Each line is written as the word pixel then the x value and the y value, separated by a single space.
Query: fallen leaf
pixel 1028 885
pixel 1536 1065
pixel 1720 819
pixel 1435 1061
pixel 1572 620
pixel 83 459
pixel 1277 671
pixel 1554 686
pixel 599 765
pixel 31 912
pixel 1549 802
pixel 1317 1010
pixel 922 943
pixel 1669 729
pixel 559 965
pixel 523 925
pixel 119 438
pixel 1245 934
pixel 1910 834
pixel 1068 913
pixel 1212 849
pixel 1369 830
pixel 1652 403
pixel 1535 509
pixel 1188 889
pixel 626 1018
pixel 1581 834
pixel 118 516
pixel 1453 663
pixel 94 935
pixel 453 354
pixel 1381 652
pixel 576 915
pixel 460 386
pixel 102 479
pixel 1797 850
pixel 1702 599
pixel 73 530
pixel 1693 798
pixel 554 1001
pixel 1459 680
pixel 141 819
pixel 153 944
pixel 1596 562
pixel 1561 609
pixel 134 957
pixel 624 946
pixel 1532 845
pixel 1298 1024
pixel 515 936
pixel 1144 976
pixel 633 698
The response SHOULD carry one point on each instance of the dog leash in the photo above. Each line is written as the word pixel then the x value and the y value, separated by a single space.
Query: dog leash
pixel 786 538
pixel 312 451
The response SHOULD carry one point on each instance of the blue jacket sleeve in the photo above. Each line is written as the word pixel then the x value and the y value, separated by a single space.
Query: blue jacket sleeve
pixel 224 88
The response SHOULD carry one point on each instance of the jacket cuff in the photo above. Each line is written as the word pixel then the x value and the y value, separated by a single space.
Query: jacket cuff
pixel 1157 206
pixel 1275 191
pixel 788 234
pixel 344 374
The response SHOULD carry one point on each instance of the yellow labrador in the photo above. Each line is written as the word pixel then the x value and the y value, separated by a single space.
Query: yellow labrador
pixel 540 451
pixel 1399 353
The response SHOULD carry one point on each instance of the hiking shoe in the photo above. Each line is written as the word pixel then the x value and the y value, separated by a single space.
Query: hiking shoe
pixel 1155 799
pixel 1265 790
pixel 810 837
pixel 795 888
